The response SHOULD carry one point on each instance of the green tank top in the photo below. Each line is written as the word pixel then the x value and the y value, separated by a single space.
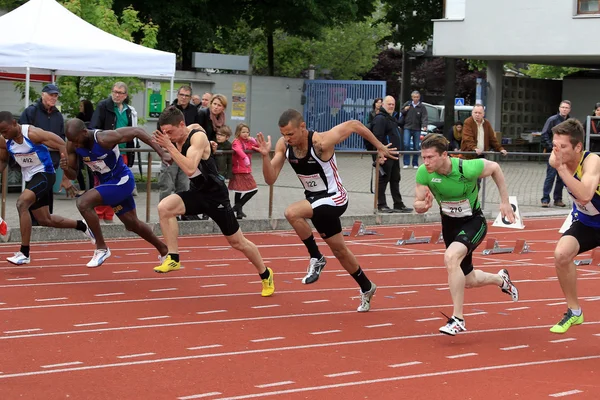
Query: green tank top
pixel 456 193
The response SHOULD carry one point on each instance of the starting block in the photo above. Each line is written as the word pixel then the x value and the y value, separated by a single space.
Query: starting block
pixel 358 229
pixel 408 237
pixel 492 247
pixel 595 260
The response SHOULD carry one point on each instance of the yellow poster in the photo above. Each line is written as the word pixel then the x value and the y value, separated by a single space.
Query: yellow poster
pixel 238 101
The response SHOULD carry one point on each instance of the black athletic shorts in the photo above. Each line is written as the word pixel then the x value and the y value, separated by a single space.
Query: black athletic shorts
pixel 327 210
pixel 215 204
pixel 588 237
pixel 42 185
pixel 469 231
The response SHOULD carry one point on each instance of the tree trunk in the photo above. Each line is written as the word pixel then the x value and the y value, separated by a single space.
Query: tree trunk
pixel 406 71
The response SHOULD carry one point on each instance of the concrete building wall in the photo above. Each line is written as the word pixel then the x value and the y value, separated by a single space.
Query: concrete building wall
pixel 583 93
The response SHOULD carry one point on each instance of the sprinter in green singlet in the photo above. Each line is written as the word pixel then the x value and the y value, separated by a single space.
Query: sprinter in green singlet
pixel 453 184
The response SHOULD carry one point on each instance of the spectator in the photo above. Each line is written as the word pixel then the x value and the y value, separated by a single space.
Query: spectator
pixel 456 136
pixel 196 101
pixel 224 160
pixel 385 129
pixel 595 129
pixel 376 106
pixel 205 100
pixel 213 117
pixel 110 114
pixel 551 175
pixel 242 182
pixel 478 135
pixel 415 121
pixel 43 114
pixel 86 111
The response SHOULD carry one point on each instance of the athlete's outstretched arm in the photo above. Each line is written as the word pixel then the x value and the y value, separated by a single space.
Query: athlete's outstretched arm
pixel 339 133
pixel 271 166
pixel 491 168
pixel 188 163
pixel 69 163
pixel 48 139
pixel 109 139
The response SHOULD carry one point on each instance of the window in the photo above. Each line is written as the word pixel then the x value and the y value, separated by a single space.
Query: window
pixel 588 6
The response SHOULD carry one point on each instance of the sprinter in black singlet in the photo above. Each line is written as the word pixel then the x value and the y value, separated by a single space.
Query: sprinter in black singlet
pixel 207 195
pixel 312 157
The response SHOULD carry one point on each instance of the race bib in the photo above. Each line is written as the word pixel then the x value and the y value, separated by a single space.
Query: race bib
pixel 27 160
pixel 312 183
pixel 98 166
pixel 587 209
pixel 457 209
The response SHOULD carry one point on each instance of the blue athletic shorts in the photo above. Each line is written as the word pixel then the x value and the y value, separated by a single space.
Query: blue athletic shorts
pixel 117 193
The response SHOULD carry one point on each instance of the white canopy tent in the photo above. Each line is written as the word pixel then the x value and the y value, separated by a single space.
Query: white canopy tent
pixel 42 36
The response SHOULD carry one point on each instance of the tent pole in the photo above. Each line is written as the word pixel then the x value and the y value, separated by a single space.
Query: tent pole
pixel 27 83
pixel 171 91
pixel 53 77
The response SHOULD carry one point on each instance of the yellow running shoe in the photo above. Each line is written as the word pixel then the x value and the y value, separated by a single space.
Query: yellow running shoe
pixel 268 285
pixel 568 320
pixel 168 265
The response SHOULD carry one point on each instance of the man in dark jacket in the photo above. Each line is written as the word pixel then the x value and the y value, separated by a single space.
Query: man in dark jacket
pixel 385 129
pixel 415 122
pixel 563 114
pixel 43 114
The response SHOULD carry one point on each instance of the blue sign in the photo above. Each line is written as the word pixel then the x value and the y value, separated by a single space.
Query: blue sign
pixel 459 101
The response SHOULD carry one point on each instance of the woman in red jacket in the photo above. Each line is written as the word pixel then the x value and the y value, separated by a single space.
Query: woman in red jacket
pixel 242 182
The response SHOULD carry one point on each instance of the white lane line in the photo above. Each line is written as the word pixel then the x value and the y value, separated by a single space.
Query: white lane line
pixel 91 324
pixel 214 285
pixel 199 396
pixel 523 346
pixel 210 312
pixel 127 271
pixel 563 394
pixel 562 340
pixel 208 346
pixel 46 259
pixel 325 332
pixel 428 319
pixel 517 308
pixel 24 330
pixel 342 374
pixel 217 265
pixel 346 274
pixel 475 313
pixel 385 271
pixel 442 288
pixel 267 385
pixel 267 339
pixel 315 301
pixel 379 325
pixel 109 294
pixel 53 299
pixel 266 306
pixel 135 254
pixel 409 292
pixel 156 317
pixel 74 275
pixel 406 364
pixel 556 304
pixel 62 364
pixel 20 279
pixel 462 355
pixel 163 290
pixel 136 355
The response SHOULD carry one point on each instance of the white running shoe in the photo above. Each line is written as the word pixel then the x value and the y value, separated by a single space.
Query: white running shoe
pixel 88 232
pixel 315 266
pixel 453 326
pixel 162 259
pixel 19 259
pixel 507 286
pixel 365 299
pixel 100 255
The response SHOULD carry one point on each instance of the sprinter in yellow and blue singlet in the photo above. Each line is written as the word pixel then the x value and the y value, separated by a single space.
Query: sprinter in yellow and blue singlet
pixel 580 172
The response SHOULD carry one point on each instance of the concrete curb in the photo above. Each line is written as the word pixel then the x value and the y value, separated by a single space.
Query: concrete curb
pixel 187 228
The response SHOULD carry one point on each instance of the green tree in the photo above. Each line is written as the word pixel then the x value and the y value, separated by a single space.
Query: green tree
pixel 548 71
pixel 98 13
pixel 412 20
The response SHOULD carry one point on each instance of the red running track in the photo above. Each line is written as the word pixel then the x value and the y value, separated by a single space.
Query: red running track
pixel 123 332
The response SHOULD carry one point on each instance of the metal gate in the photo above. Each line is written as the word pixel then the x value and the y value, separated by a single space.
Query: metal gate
pixel 329 103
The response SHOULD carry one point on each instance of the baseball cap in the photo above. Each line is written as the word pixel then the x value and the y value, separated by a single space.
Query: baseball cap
pixel 51 89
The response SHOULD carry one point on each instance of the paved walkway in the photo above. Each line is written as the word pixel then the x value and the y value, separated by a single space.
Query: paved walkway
pixel 524 179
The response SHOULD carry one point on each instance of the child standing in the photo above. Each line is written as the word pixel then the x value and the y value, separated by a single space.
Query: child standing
pixel 224 160
pixel 242 182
